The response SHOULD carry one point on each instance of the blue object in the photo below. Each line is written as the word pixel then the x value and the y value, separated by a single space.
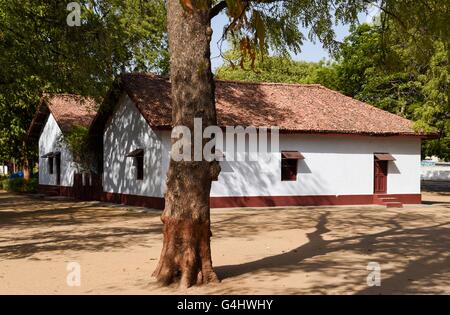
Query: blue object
pixel 428 163
pixel 18 174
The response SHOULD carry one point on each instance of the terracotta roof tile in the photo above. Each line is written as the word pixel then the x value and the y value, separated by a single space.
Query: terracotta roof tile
pixel 292 107
pixel 71 110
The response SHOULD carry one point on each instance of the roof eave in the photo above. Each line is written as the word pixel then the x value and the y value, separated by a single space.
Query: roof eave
pixel 38 121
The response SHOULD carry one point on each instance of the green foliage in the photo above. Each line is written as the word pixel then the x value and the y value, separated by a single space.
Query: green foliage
pixel 264 25
pixel 434 114
pixel 20 185
pixel 40 52
pixel 77 140
pixel 280 69
pixel 375 66
pixel 259 26
pixel 378 66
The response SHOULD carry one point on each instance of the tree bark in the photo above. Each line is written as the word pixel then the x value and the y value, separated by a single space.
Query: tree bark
pixel 26 170
pixel 186 253
pixel 26 162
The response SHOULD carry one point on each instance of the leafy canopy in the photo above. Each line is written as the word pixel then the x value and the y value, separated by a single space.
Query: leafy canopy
pixel 40 52
pixel 279 69
pixel 263 25
pixel 377 65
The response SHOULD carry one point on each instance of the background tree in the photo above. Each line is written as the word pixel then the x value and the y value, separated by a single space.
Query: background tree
pixel 255 25
pixel 434 114
pixel 40 52
pixel 278 69
pixel 375 64
pixel 399 74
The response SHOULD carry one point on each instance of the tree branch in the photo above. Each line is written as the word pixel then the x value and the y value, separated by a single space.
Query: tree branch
pixel 215 10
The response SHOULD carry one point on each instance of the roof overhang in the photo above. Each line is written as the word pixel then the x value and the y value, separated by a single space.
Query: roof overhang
pixel 360 134
pixel 135 153
pixel 39 120
pixel 50 155
pixel 384 157
pixel 292 155
pixel 326 132
pixel 430 136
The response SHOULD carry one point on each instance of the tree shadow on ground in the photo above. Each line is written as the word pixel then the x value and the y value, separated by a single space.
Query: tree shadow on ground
pixel 31 227
pixel 315 245
pixel 393 244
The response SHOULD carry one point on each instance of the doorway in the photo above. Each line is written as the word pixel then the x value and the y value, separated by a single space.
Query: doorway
pixel 380 176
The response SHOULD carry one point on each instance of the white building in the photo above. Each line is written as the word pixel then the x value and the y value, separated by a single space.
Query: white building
pixel 433 170
pixel 56 116
pixel 333 150
pixel 3 169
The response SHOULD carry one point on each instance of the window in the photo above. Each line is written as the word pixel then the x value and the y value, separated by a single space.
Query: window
pixel 289 162
pixel 138 156
pixel 140 166
pixel 58 167
pixel 49 156
pixel 50 164
pixel 288 170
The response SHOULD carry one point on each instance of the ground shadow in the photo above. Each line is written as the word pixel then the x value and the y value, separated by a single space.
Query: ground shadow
pixel 277 262
pixel 30 227
pixel 396 242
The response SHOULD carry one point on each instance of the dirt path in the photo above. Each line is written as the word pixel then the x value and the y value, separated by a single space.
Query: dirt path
pixel 314 250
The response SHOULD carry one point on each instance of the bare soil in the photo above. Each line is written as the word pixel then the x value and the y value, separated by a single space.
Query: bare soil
pixel 295 250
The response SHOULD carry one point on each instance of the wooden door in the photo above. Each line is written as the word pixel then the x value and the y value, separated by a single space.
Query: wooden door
pixel 380 177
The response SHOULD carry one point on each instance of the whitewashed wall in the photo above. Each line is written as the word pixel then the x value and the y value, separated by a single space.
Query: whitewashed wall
pixel 51 141
pixel 437 172
pixel 333 165
pixel 126 131
pixel 3 169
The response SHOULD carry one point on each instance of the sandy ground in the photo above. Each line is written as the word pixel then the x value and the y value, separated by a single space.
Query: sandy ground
pixel 304 250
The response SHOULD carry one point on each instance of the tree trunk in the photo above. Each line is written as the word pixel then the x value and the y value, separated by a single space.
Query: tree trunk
pixel 26 170
pixel 186 253
pixel 26 162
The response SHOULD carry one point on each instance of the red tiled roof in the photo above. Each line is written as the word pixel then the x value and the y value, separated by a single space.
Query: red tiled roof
pixel 69 110
pixel 305 108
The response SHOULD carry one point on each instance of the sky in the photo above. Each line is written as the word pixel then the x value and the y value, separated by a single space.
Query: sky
pixel 312 52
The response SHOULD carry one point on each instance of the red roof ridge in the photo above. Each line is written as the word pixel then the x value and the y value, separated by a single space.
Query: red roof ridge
pixel 271 83
pixel 161 77
pixel 144 74
pixel 49 94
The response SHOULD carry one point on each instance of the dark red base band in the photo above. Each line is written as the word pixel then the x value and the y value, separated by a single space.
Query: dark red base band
pixel 235 202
